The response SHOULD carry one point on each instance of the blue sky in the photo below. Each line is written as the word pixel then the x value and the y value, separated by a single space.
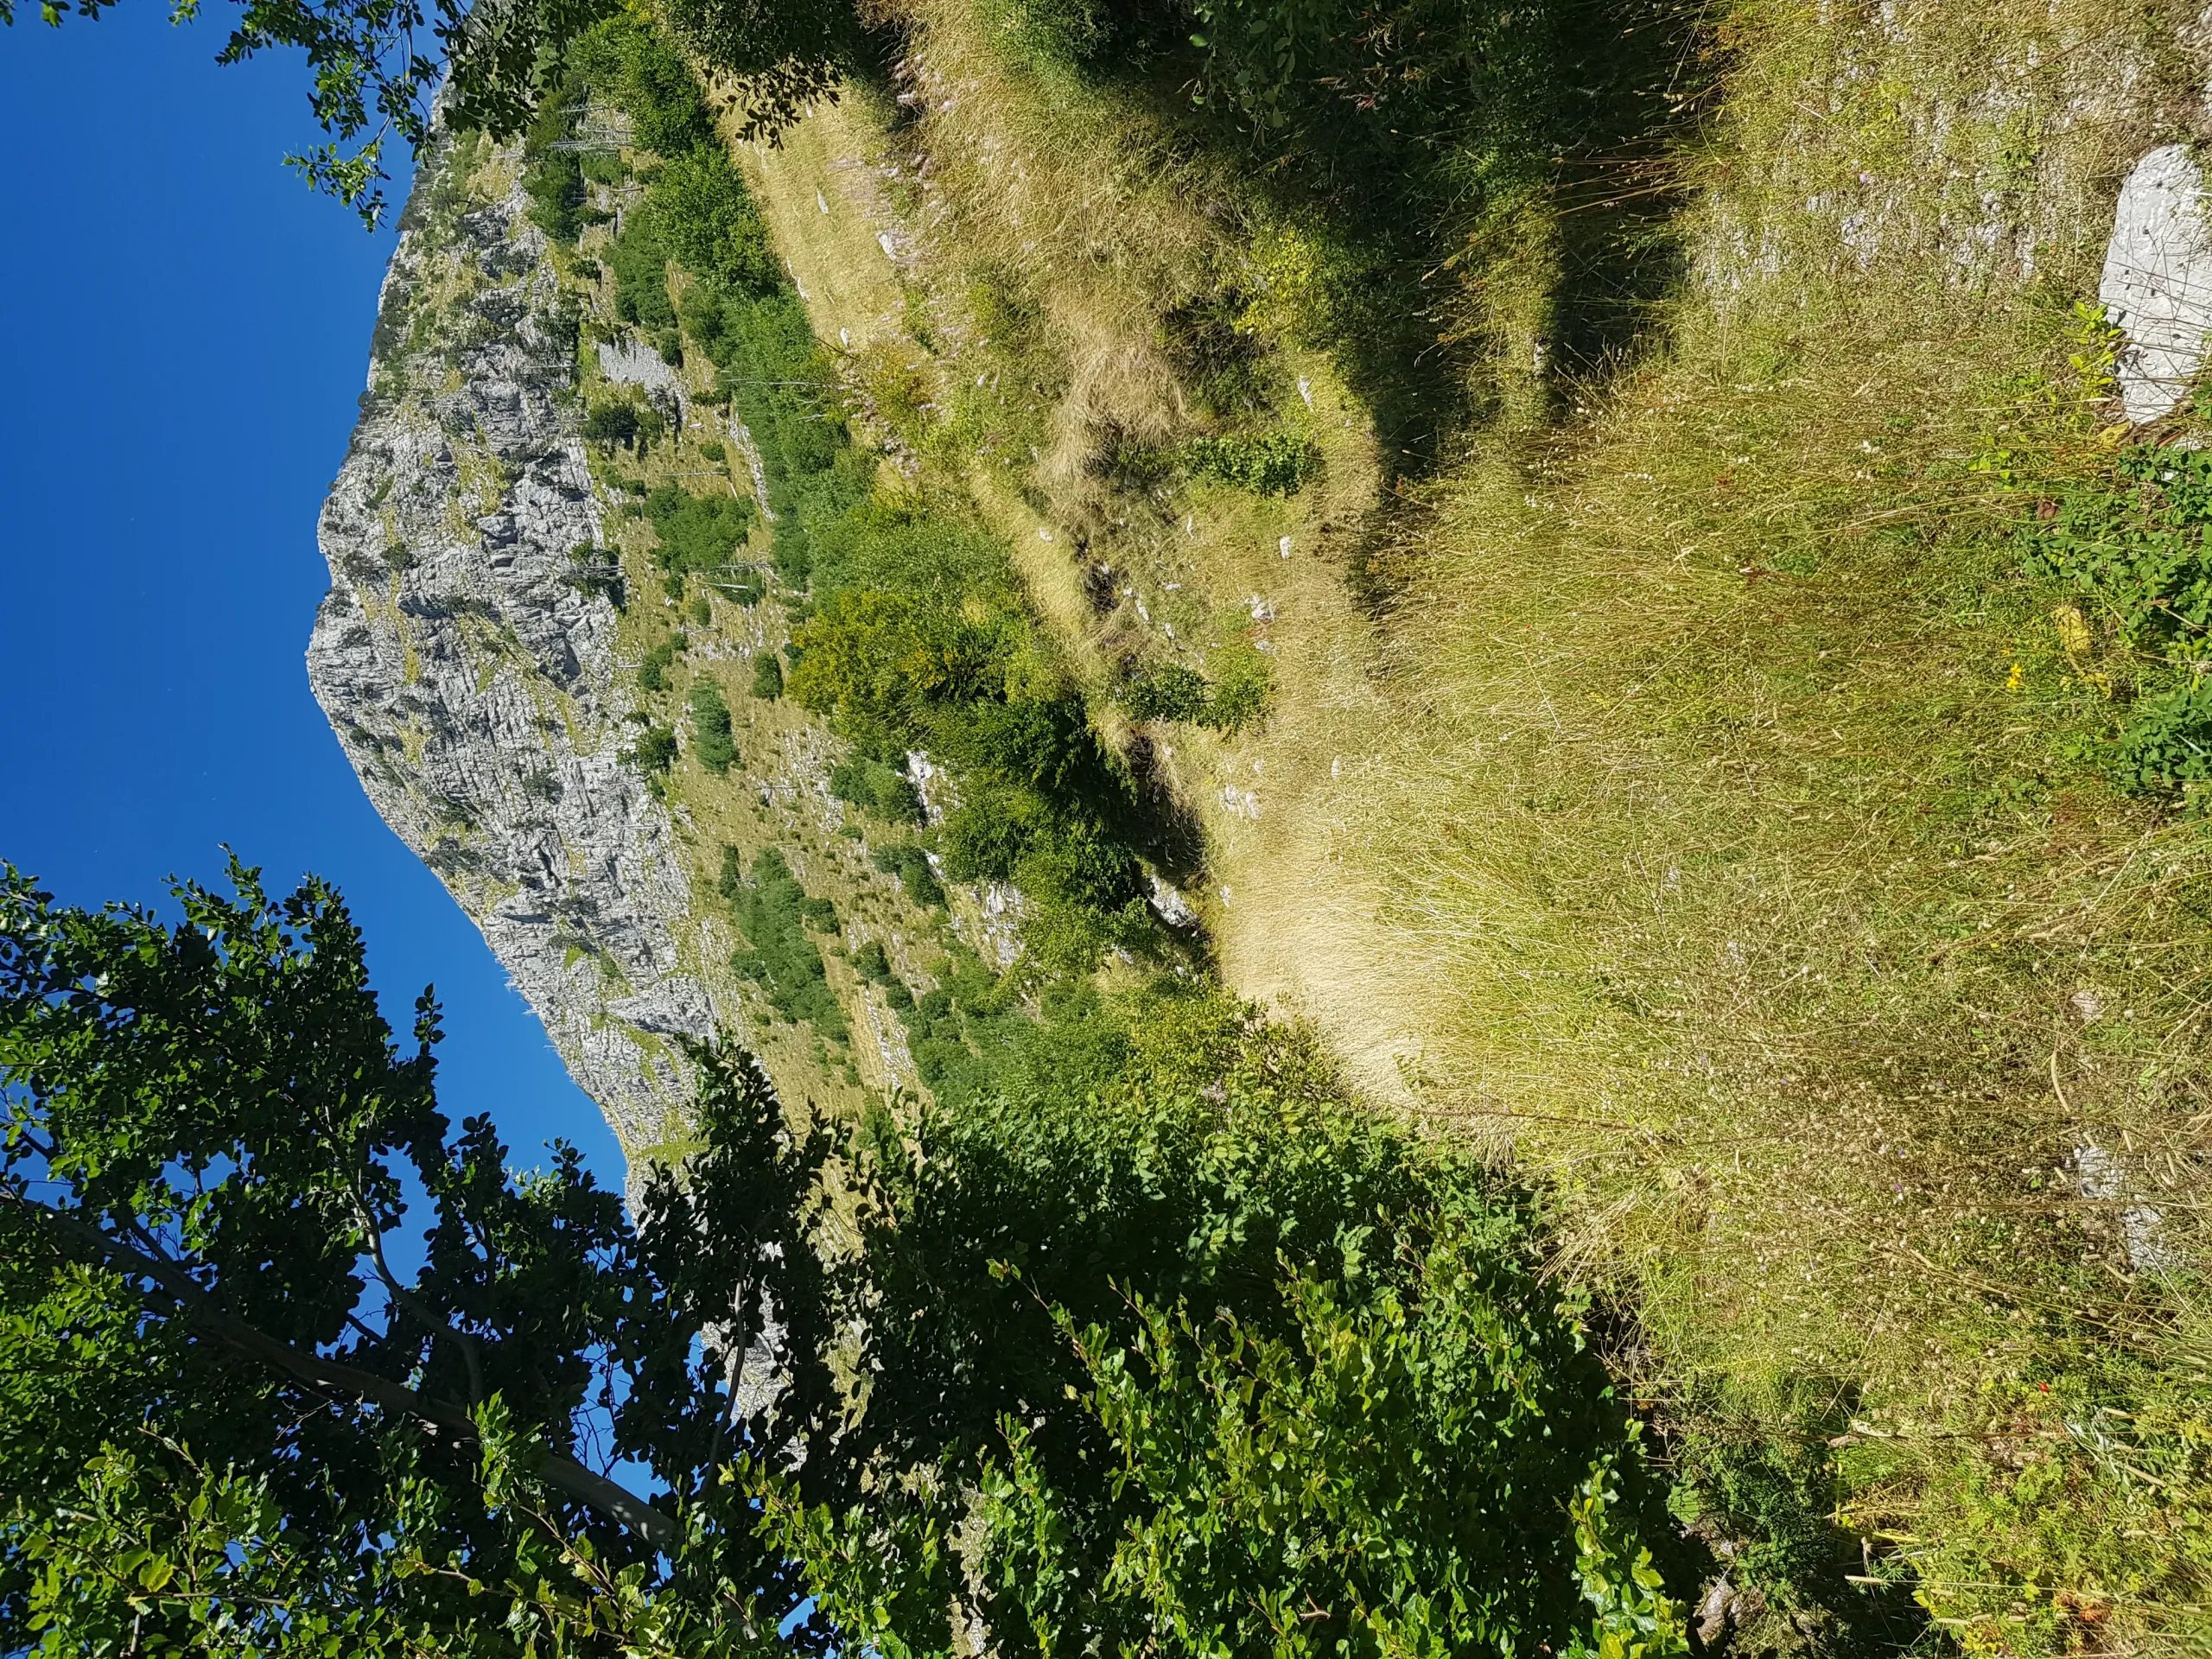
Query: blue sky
pixel 187 331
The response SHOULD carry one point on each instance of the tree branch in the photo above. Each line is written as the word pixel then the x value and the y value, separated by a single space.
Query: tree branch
pixel 81 1238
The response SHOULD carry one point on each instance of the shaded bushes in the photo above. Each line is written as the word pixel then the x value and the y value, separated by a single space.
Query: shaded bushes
pixel 1235 698
pixel 873 786
pixel 1338 1394
pixel 699 535
pixel 653 668
pixel 711 739
pixel 775 913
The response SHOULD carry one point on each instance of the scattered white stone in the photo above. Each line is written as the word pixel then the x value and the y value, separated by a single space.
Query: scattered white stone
pixel 2156 287
pixel 1282 546
pixel 1306 390
pixel 822 202
pixel 1170 905
pixel 1261 609
pixel 2101 1179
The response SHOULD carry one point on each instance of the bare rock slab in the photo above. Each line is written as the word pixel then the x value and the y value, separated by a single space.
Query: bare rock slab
pixel 2156 287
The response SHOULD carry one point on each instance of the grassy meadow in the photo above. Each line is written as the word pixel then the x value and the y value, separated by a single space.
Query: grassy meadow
pixel 1678 774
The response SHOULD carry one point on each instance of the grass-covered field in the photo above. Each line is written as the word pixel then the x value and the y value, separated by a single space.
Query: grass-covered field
pixel 1693 760
pixel 1622 603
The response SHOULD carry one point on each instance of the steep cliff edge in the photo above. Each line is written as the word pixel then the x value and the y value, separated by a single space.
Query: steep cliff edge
pixel 471 679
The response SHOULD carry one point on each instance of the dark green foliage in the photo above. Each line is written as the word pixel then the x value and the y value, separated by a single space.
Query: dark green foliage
pixel 911 864
pixel 698 534
pixel 620 421
pixel 639 261
pixel 709 224
pixel 774 913
pixel 2136 546
pixel 1272 463
pixel 699 611
pixel 629 64
pixel 874 786
pixel 767 676
pixel 555 184
pixel 1329 1385
pixel 652 669
pixel 872 963
pixel 1150 1284
pixel 656 749
pixel 1171 691
pixel 710 729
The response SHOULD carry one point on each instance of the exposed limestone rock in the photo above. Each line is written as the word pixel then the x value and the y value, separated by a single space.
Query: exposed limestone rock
pixel 470 678
pixel 2157 280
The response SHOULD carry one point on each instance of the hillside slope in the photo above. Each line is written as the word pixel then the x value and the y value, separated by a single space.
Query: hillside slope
pixel 1684 672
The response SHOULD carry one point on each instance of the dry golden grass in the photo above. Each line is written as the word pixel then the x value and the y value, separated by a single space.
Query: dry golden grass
pixel 1698 824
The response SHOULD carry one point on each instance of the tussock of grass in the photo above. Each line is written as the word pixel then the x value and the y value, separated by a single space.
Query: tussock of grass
pixel 1724 831
pixel 1738 846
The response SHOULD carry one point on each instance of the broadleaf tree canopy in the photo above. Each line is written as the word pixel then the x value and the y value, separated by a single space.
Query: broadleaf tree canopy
pixel 1156 1344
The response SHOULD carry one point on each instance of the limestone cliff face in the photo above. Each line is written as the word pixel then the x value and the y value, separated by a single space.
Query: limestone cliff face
pixel 470 677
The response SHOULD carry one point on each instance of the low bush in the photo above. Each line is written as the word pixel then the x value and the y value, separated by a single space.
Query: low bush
pixel 635 70
pixel 1272 463
pixel 775 913
pixel 698 534
pixel 620 421
pixel 555 188
pixel 1338 1396
pixel 911 864
pixel 1234 699
pixel 653 668
pixel 767 676
pixel 655 751
pixel 874 786
pixel 707 224
pixel 711 739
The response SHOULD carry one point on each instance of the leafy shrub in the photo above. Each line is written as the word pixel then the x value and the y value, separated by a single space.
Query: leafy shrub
pixel 911 864
pixel 636 70
pixel 1273 463
pixel 712 450
pixel 872 786
pixel 656 750
pixel 698 534
pixel 710 729
pixel 699 611
pixel 774 911
pixel 873 963
pixel 1171 691
pixel 767 676
pixel 1234 700
pixel 653 668
pixel 639 261
pixel 707 223
pixel 2137 545
pixel 1344 1408
pixel 555 188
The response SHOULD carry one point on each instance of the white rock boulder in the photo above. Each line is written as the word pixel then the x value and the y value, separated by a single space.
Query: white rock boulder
pixel 2156 287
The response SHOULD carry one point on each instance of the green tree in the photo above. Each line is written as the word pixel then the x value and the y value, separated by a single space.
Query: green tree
pixel 1157 1342
pixel 375 66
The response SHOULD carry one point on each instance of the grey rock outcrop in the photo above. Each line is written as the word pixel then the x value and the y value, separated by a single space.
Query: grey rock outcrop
pixel 471 676
pixel 2157 286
